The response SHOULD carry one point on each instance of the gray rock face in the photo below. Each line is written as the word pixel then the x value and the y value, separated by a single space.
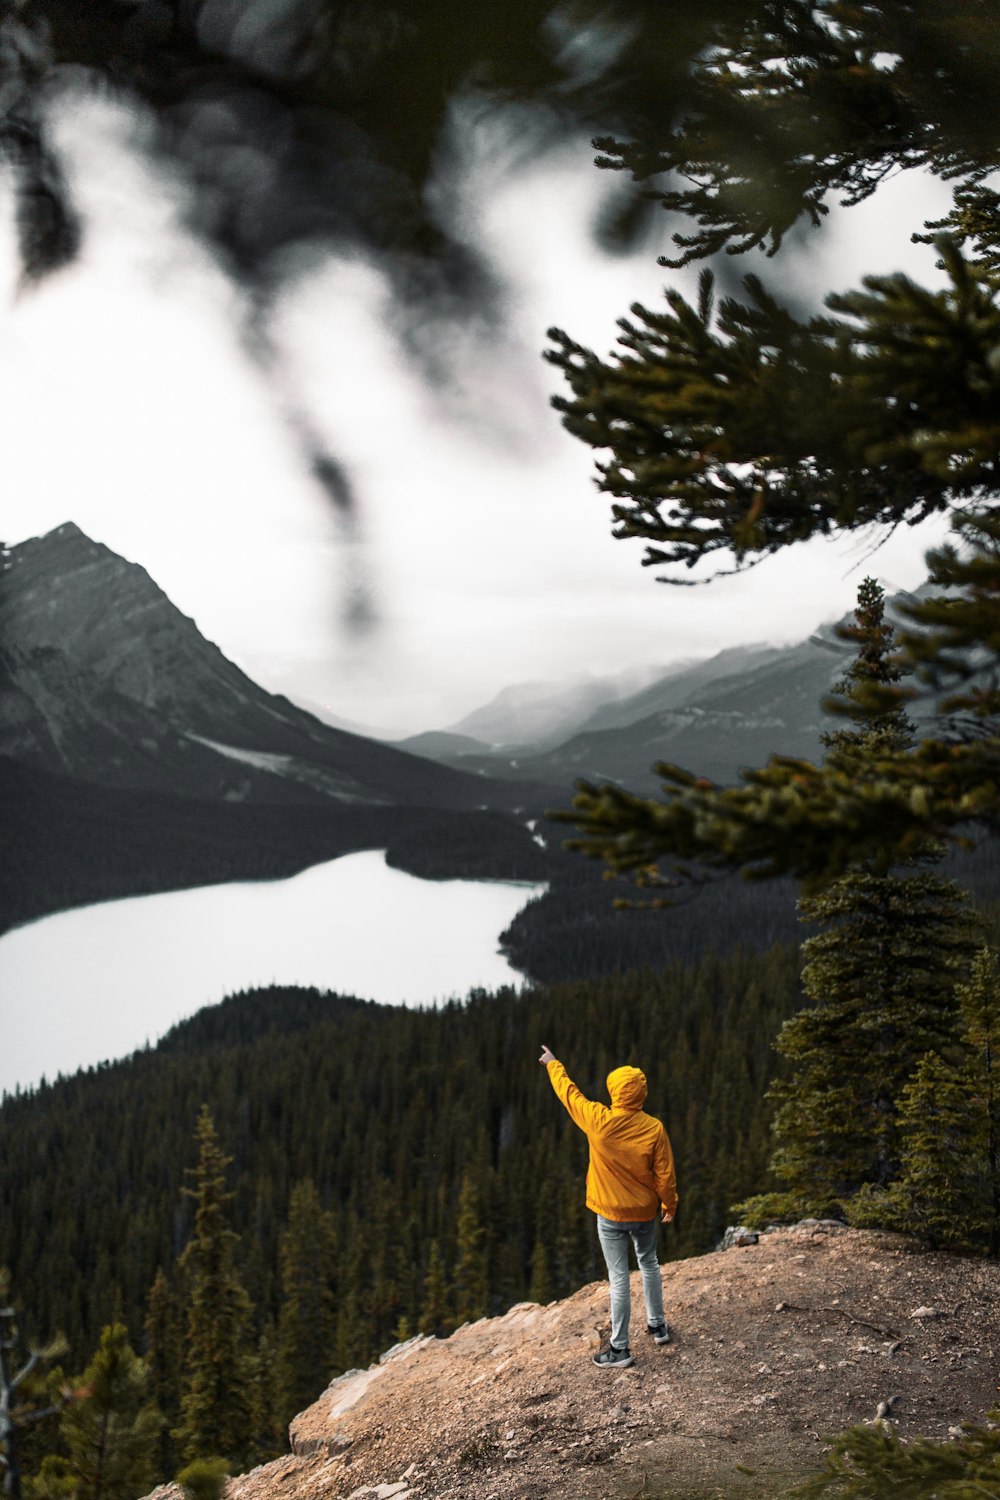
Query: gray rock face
pixel 104 679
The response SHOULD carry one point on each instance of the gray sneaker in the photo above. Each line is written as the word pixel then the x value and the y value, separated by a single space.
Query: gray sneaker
pixel 614 1359
pixel 660 1334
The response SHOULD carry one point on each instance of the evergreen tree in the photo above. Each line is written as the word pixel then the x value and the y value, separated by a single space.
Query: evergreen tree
pixel 268 1401
pixel 307 1322
pixel 980 1006
pixel 216 1409
pixel 435 1313
pixel 795 105
pixel 385 1271
pixel 204 1479
pixel 163 1359
pixel 871 1463
pixel 881 971
pixel 109 1431
pixel 353 1311
pixel 540 1286
pixel 938 1193
pixel 949 1185
pixel 471 1277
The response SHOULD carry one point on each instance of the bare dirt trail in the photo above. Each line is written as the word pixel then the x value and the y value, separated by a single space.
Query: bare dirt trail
pixel 774 1347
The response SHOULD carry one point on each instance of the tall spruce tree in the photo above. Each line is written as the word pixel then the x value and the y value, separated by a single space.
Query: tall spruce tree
pixel 435 1311
pixel 948 1188
pixel 980 1005
pixel 216 1404
pixel 108 1433
pixel 881 972
pixel 540 1286
pixel 353 1309
pixel 471 1275
pixel 269 1433
pixel 307 1322
pixel 163 1358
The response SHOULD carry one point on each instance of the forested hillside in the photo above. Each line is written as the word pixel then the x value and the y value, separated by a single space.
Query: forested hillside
pixel 67 843
pixel 397 1116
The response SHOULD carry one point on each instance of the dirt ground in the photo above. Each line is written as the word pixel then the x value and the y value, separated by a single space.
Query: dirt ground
pixel 774 1347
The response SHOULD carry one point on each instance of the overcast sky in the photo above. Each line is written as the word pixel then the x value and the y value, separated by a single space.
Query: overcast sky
pixel 482 553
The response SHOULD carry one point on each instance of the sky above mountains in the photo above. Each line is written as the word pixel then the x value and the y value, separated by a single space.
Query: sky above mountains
pixel 145 405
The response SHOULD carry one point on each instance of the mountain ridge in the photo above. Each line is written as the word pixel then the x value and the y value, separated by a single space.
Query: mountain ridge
pixel 716 716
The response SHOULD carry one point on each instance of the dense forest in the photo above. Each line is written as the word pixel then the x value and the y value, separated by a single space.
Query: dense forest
pixel 391 1113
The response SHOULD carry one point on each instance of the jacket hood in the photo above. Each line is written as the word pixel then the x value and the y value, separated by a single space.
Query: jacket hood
pixel 627 1088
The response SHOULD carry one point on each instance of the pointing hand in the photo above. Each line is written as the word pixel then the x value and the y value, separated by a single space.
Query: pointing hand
pixel 546 1056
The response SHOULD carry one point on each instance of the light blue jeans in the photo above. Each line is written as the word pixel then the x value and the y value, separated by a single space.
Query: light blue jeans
pixel 614 1238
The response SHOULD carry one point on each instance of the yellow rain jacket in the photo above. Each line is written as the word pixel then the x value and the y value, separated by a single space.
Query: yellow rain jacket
pixel 631 1171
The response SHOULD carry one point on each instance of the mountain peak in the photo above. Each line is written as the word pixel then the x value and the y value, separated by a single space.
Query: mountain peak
pixel 65 538
pixel 105 680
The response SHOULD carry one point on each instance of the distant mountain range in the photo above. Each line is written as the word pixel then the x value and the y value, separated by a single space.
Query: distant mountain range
pixel 717 717
pixel 544 714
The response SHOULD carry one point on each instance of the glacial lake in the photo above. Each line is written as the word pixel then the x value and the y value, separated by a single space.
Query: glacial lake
pixel 84 986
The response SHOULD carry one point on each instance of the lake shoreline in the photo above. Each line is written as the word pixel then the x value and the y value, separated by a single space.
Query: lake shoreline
pixel 71 980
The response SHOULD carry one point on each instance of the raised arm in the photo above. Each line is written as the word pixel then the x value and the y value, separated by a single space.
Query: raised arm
pixel 581 1110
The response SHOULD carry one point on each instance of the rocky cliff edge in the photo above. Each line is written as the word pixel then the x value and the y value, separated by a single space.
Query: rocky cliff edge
pixel 775 1345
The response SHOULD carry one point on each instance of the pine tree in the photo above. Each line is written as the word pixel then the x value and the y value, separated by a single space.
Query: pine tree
pixel 540 1286
pixel 307 1322
pixel 384 1265
pixel 948 1188
pixel 881 971
pixel 938 1191
pixel 163 1358
pixel 353 1310
pixel 471 1279
pixel 980 1006
pixel 435 1313
pixel 871 1463
pixel 109 1432
pixel 216 1410
pixel 204 1479
pixel 268 1402
pixel 813 101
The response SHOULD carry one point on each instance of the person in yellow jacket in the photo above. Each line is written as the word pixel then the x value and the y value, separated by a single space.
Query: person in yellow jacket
pixel 630 1179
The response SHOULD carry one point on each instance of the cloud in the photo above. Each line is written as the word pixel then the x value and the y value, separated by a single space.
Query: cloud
pixel 478 551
